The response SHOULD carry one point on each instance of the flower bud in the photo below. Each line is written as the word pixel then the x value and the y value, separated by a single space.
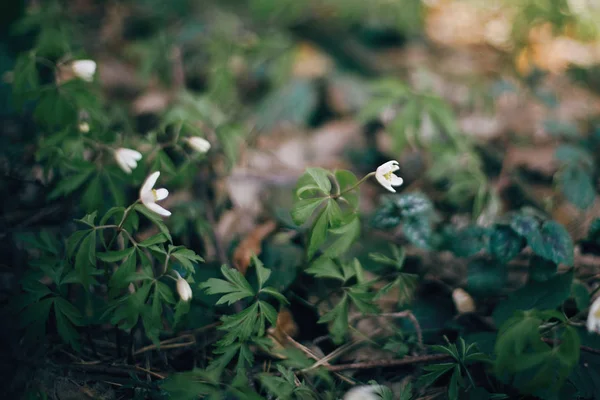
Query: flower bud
pixel 463 301
pixel 84 69
pixel 199 144
pixel 183 288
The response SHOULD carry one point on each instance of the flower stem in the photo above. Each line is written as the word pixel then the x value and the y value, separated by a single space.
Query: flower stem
pixel 357 184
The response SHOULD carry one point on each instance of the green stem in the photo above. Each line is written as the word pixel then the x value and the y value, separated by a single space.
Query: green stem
pixel 357 184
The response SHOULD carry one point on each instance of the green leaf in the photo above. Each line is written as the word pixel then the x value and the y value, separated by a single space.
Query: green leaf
pixel 318 233
pixel 240 326
pixel 85 260
pixel 541 269
pixel 236 286
pixel 541 295
pixel 418 232
pixel 347 235
pixel 186 257
pixel 486 277
pixel 325 267
pixel 190 385
pixel 338 316
pixel 69 184
pixel 437 371
pixel 467 241
pixel 113 256
pixel 304 209
pixel 504 244
pixel 529 228
pixel 152 240
pixel 276 294
pixel 92 198
pixel 124 275
pixel 89 219
pixel 558 244
pixel 346 180
pixel 262 273
pixel 577 185
pixel 314 179
pixel 581 295
pixel 155 220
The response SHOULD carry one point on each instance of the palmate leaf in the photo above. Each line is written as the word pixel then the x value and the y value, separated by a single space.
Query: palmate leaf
pixel 235 287
pixel 338 317
pixel 239 327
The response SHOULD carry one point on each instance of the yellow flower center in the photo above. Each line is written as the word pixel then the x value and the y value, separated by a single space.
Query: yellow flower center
pixel 597 313
pixel 155 194
pixel 388 175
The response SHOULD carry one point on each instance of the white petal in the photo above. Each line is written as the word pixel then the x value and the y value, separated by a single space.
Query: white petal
pixel 395 180
pixel 158 209
pixel 161 194
pixel 122 163
pixel 389 166
pixel 149 183
pixel 84 69
pixel 361 393
pixel 184 289
pixel 385 183
pixel 132 154
pixel 199 144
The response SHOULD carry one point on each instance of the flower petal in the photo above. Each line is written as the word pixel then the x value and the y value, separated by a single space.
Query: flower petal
pixel 122 163
pixel 385 183
pixel 161 194
pixel 158 209
pixel 149 183
pixel 132 154
pixel 389 166
pixel 395 180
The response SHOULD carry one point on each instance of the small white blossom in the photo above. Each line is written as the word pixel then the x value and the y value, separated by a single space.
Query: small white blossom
pixel 127 159
pixel 463 301
pixel 199 144
pixel 362 393
pixel 385 175
pixel 149 196
pixel 593 319
pixel 183 288
pixel 84 69
pixel 84 127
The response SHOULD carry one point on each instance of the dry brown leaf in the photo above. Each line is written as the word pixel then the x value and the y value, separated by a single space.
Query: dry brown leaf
pixel 251 245
pixel 285 326
pixel 538 159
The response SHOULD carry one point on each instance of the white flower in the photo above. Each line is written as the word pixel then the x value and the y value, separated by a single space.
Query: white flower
pixel 463 301
pixel 593 320
pixel 199 144
pixel 127 159
pixel 84 127
pixel 149 196
pixel 362 393
pixel 183 288
pixel 385 175
pixel 84 69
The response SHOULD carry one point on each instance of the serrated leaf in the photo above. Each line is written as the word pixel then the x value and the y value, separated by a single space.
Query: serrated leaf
pixel 318 233
pixel 304 209
pixel 325 267
pixel 152 240
pixel 314 179
pixel 338 316
pixel 262 273
pixel 113 256
pixel 347 234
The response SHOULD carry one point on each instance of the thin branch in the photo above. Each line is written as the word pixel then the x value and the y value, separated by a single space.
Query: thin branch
pixel 389 363
pixel 167 344
pixel 408 314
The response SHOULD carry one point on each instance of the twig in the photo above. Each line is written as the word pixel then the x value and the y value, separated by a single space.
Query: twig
pixel 312 355
pixel 166 344
pixel 389 363
pixel 582 348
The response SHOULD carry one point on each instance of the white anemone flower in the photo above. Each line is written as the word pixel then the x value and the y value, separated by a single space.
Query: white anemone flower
pixel 127 159
pixel 363 392
pixel 84 69
pixel 183 288
pixel 593 319
pixel 149 196
pixel 385 175
pixel 199 144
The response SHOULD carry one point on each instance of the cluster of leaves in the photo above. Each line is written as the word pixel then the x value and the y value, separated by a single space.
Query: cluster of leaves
pixel 135 276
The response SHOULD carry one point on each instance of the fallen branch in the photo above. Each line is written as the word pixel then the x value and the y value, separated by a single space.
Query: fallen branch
pixel 389 363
